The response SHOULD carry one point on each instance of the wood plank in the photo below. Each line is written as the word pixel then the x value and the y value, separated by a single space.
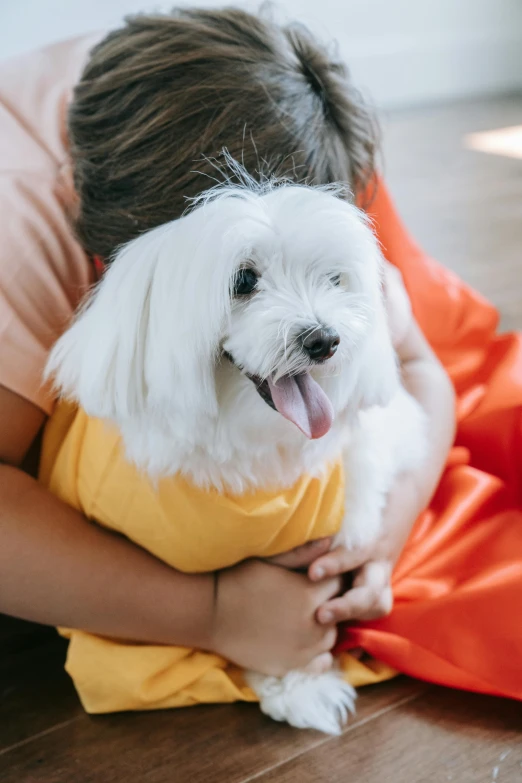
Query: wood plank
pixel 201 744
pixel 443 736
pixel 35 693
pixel 18 635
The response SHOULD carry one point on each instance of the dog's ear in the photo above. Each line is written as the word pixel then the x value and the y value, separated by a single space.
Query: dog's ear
pixel 99 361
pixel 145 340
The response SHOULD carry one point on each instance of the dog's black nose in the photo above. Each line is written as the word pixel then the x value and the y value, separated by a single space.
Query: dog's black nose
pixel 320 343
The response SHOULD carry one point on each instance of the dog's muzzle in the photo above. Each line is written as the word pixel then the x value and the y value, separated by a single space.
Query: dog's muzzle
pixel 299 398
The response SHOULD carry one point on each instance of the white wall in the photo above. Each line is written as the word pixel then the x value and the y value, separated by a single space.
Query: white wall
pixel 402 52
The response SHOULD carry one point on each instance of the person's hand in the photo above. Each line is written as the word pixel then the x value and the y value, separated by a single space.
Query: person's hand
pixel 370 595
pixel 300 558
pixel 265 619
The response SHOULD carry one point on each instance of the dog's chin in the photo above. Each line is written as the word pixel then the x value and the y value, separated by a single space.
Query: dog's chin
pixel 297 397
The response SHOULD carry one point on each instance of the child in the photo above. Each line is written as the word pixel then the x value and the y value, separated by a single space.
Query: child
pixel 156 103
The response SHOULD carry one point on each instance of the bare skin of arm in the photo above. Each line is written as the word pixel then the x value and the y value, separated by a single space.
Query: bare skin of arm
pixel 58 568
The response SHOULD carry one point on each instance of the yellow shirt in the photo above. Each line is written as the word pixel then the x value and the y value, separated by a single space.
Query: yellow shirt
pixel 191 529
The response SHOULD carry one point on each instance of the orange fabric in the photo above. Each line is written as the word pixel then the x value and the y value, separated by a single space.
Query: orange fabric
pixel 458 585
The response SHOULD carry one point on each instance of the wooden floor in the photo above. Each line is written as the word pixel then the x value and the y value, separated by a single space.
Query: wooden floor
pixel 466 208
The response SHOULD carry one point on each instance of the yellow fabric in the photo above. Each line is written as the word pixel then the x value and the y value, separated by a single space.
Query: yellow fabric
pixel 191 529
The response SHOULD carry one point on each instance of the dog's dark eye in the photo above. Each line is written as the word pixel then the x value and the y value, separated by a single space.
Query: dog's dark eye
pixel 335 279
pixel 245 282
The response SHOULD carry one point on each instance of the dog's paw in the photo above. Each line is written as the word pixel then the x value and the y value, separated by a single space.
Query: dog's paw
pixel 362 525
pixel 354 535
pixel 322 702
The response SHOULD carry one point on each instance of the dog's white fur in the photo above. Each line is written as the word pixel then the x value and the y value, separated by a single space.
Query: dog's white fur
pixel 146 352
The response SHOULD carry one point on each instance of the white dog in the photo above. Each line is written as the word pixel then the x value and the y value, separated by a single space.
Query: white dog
pixel 244 345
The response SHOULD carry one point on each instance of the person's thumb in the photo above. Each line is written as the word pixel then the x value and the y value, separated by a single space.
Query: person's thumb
pixel 302 556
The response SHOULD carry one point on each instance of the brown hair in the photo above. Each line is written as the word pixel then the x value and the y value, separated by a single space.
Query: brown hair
pixel 161 98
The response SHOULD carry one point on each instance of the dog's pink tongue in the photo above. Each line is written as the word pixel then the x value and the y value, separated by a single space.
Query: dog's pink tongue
pixel 301 400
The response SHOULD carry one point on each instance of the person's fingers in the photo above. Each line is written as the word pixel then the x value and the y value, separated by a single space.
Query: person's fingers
pixel 371 596
pixel 326 639
pixel 375 574
pixel 384 604
pixel 351 606
pixel 325 590
pixel 302 556
pixel 339 561
pixel 321 664
pixel 360 603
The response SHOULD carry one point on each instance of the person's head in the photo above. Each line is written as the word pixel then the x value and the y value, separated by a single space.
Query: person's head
pixel 163 96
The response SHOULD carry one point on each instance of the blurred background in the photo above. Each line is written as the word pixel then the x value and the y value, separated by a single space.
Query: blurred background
pixel 446 79
pixel 403 52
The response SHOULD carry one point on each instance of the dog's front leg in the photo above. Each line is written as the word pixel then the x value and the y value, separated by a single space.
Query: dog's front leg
pixel 385 443
pixel 367 475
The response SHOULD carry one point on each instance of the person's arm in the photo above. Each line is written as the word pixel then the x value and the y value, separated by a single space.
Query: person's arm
pixel 58 568
pixel 426 380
